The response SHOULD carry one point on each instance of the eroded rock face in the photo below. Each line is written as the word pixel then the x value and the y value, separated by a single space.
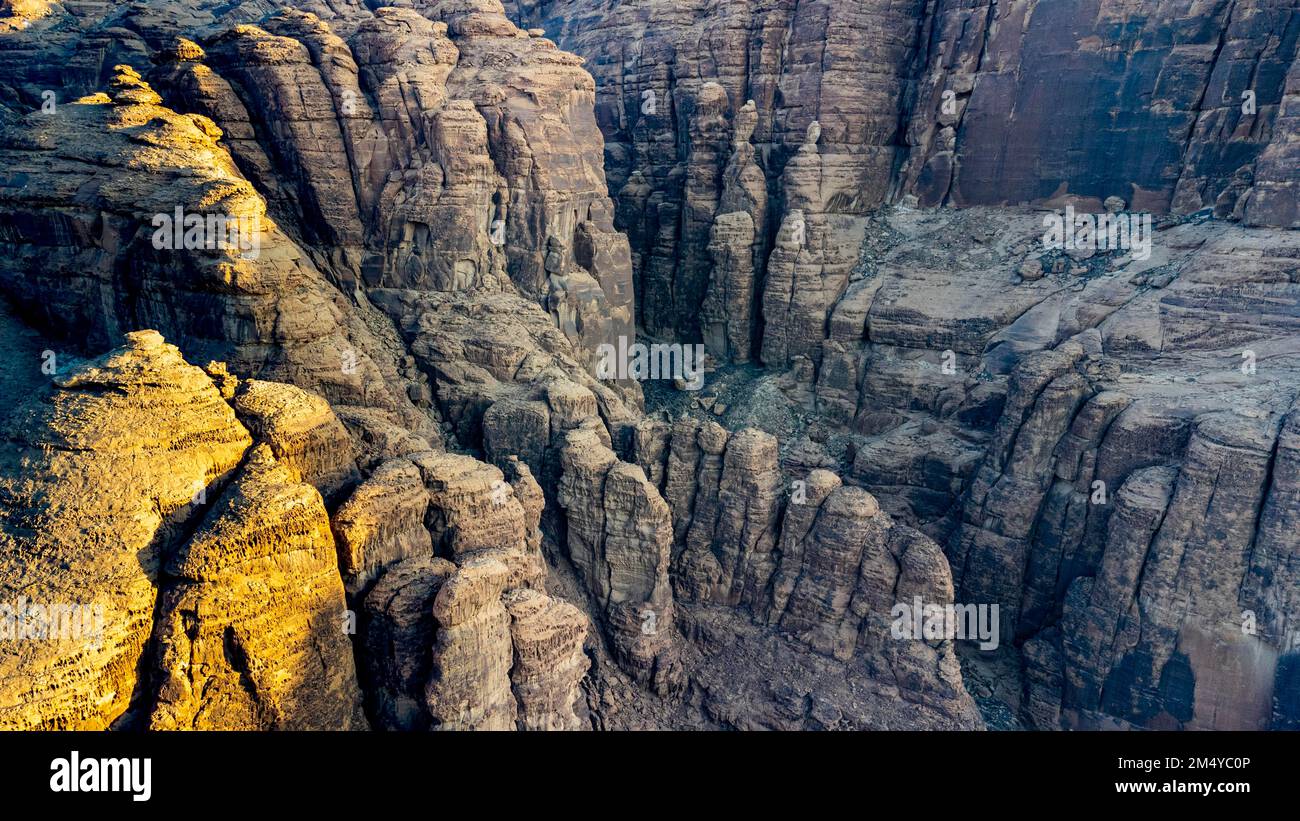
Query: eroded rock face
pixel 947 103
pixel 251 634
pixel 670 82
pixel 469 687
pixel 427 148
pixel 619 539
pixel 1099 445
pixel 92 250
pixel 738 249
pixel 437 150
pixel 1177 656
pixel 503 370
pixel 91 509
pixel 827 568
pixel 436 661
pixel 725 491
pixel 382 523
pixel 808 270
pixel 302 432
pixel 474 513
pixel 547 635
pixel 398 641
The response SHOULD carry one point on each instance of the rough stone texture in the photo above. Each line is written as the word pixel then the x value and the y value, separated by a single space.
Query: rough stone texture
pixel 619 539
pixel 949 102
pixel 78 203
pixel 1178 656
pixel 826 568
pixel 398 642
pixel 498 363
pixel 435 147
pixel 809 267
pixel 1101 442
pixel 1164 79
pixel 455 646
pixel 100 483
pixel 1013 419
pixel 474 512
pixel 1275 199
pixel 728 489
pixel 738 248
pixel 843 65
pixel 382 523
pixel 1270 587
pixel 303 433
pixel 251 632
pixel 547 635
pixel 469 686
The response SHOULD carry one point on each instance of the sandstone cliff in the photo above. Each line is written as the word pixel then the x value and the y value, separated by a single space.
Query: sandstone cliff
pixel 1171 105
pixel 398 495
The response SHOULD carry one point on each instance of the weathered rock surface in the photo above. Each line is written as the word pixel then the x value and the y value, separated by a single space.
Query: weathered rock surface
pixel 738 248
pixel 398 642
pixel 905 406
pixel 89 205
pixel 382 523
pixel 251 634
pixel 497 360
pixel 951 102
pixel 441 660
pixel 430 148
pixel 670 79
pixel 302 432
pixel 827 574
pixel 470 684
pixel 619 539
pixel 108 467
pixel 547 636
pixel 474 513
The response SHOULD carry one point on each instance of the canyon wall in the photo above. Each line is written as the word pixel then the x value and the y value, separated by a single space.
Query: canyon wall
pixel 372 479
pixel 1173 105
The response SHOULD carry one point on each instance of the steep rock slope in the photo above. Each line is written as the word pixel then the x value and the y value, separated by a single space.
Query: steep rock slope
pixel 1171 106
pixel 1099 442
pixel 250 634
pixel 91 510
pixel 433 263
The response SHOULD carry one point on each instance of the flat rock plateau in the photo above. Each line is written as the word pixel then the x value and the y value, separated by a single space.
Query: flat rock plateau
pixel 306 419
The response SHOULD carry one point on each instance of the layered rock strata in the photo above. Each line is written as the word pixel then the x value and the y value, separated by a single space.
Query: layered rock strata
pixel 91 510
pixel 251 631
pixel 940 103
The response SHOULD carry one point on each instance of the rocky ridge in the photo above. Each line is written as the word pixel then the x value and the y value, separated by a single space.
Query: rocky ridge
pixel 401 371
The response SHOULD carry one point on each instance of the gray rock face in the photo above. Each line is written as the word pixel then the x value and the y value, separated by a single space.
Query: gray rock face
pixel 1172 106
pixel 823 566
pixel 670 105
pixel 1131 439
pixel 908 409
pixel 437 148
pixel 619 540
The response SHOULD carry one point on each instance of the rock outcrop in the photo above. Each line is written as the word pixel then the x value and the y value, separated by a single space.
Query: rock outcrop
pixel 449 647
pixel 398 642
pixel 738 249
pixel 823 564
pixel 252 631
pixel 942 103
pixel 112 462
pixel 547 635
pixel 404 493
pixel 619 539
pixel 382 523
pixel 120 213
pixel 302 432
